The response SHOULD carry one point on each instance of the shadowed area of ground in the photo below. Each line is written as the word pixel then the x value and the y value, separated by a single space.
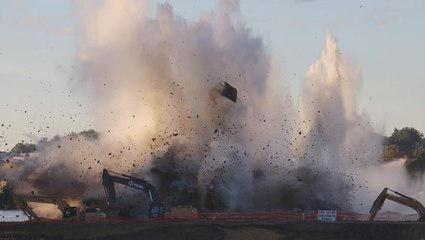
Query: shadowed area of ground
pixel 214 230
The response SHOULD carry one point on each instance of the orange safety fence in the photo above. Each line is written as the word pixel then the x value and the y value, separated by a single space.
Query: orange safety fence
pixel 291 216
pixel 248 216
pixel 381 216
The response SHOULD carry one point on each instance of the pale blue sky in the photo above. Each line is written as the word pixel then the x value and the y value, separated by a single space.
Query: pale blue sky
pixel 39 40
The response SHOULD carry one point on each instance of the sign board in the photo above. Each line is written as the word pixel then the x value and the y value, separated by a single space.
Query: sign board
pixel 13 216
pixel 326 215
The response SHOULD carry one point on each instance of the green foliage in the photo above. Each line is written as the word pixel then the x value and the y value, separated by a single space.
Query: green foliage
pixel 391 152
pixel 56 138
pixel 419 152
pixel 72 135
pixel 23 148
pixel 407 143
pixel 407 139
pixel 89 134
pixel 416 164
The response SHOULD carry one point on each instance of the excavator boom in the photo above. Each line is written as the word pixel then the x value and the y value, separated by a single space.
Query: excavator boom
pixel 157 208
pixel 68 212
pixel 398 198
pixel 22 201
pixel 23 205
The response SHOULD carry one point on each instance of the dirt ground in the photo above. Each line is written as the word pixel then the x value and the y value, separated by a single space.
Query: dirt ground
pixel 226 230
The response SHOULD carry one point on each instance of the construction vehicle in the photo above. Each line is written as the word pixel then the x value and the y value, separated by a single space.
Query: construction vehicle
pixel 68 212
pixel 157 207
pixel 399 198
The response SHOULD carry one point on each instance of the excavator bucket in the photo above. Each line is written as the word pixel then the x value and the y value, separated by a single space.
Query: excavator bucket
pixel 229 92
pixel 223 89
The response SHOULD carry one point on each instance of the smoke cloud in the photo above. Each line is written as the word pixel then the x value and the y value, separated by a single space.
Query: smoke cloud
pixel 150 78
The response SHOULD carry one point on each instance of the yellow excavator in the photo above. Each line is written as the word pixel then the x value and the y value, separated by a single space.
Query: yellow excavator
pixel 69 213
pixel 398 198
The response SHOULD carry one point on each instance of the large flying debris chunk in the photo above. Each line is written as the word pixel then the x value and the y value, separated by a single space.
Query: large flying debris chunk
pixel 229 92
pixel 224 89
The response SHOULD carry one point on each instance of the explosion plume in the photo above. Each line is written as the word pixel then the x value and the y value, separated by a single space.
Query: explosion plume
pixel 150 80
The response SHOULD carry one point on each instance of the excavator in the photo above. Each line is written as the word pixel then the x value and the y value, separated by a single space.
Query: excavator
pixel 157 207
pixel 68 212
pixel 399 198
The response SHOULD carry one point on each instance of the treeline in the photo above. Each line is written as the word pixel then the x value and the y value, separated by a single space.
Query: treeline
pixel 406 143
pixel 22 148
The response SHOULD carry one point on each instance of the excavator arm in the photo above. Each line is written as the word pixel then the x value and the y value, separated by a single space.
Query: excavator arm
pixel 398 198
pixel 157 208
pixel 22 203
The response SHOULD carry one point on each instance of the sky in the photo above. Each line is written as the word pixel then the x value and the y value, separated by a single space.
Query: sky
pixel 39 41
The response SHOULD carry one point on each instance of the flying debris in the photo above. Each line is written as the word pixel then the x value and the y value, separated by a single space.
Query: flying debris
pixel 224 89
pixel 180 138
pixel 229 92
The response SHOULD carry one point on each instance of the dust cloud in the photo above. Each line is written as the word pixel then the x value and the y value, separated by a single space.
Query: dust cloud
pixel 149 78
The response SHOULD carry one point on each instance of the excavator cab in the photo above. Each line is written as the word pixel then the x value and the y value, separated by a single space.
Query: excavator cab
pixel 69 212
pixel 156 209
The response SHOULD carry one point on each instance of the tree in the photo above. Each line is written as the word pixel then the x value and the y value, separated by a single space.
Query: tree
pixel 391 152
pixel 407 139
pixel 416 164
pixel 23 148
pixel 89 134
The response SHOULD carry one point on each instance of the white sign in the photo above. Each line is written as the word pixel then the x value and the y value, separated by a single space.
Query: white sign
pixel 326 215
pixel 12 216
